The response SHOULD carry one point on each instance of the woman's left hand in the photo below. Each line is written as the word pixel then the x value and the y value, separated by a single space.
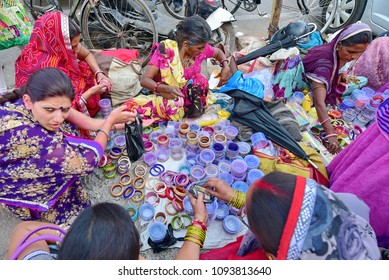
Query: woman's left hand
pixel 102 79
pixel 121 116
pixel 224 75
pixel 199 209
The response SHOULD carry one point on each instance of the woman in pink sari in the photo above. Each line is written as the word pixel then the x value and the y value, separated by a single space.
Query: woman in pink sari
pixel 361 169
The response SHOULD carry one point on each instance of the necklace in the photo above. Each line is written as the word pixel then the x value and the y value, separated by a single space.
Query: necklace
pixel 187 62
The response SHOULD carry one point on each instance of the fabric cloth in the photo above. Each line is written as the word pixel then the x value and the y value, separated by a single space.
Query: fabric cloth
pixel 321 64
pixel 50 46
pixel 39 255
pixel 373 63
pixel 320 226
pixel 165 56
pixel 40 169
pixel 360 169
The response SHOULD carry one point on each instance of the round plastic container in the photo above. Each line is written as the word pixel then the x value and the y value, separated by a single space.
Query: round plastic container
pixel 244 148
pixel 231 224
pixel 349 115
pixel 369 91
pixel 157 231
pixel 238 167
pixel 252 161
pixel 253 175
pixel 346 103
pixel 231 132
pixel 298 97
pixel 146 211
pixel 226 177
pixel 259 140
pixel 211 209
pixel 222 211
pixel 240 186
pixel 356 93
pixel 232 150
pixel 224 166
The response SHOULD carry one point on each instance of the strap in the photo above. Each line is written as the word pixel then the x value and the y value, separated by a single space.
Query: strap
pixel 26 242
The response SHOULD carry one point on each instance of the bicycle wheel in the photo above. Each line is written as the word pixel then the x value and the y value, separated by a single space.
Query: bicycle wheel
pixel 231 5
pixel 348 11
pixel 170 7
pixel 119 24
pixel 40 7
pixel 320 12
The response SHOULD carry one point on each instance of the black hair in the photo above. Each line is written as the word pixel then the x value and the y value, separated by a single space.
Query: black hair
pixel 364 37
pixel 195 30
pixel 44 83
pixel 103 231
pixel 74 29
pixel 268 208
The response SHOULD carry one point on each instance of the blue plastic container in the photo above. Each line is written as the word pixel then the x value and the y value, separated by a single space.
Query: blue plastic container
pixel 146 211
pixel 157 231
pixel 231 224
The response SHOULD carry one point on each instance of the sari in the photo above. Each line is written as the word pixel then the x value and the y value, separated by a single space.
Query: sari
pixel 321 64
pixel 165 56
pixel 319 226
pixel 50 46
pixel 361 169
pixel 373 63
pixel 40 169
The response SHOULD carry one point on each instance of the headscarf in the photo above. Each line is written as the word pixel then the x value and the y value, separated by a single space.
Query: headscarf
pixel 373 63
pixel 50 46
pixel 321 64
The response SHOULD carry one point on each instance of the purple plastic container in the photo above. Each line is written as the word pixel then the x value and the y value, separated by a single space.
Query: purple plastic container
pixel 231 224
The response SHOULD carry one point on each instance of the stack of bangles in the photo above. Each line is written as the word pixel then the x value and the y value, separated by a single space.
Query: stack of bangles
pixel 115 153
pixel 109 171
pixel 168 177
pixel 133 212
pixel 152 198
pixel 124 164
pixel 182 221
pixel 196 233
pixel 140 170
pixel 157 169
pixel 237 199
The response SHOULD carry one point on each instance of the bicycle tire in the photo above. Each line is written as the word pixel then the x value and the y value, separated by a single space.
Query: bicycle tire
pixel 231 5
pixel 315 10
pixel 348 11
pixel 168 5
pixel 48 6
pixel 120 24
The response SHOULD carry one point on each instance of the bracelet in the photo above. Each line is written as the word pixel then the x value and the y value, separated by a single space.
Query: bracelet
pixel 179 192
pixel 116 194
pixel 160 215
pixel 122 168
pixel 169 193
pixel 149 199
pixel 326 120
pixel 128 192
pixel 155 89
pixel 330 135
pixel 133 212
pixel 103 161
pixel 140 170
pixel 125 182
pixel 160 188
pixel 177 205
pixel 103 131
pixel 170 210
pixel 150 183
pixel 177 222
pixel 139 185
pixel 98 72
pixel 221 62
pixel 201 224
pixel 83 100
pixel 137 198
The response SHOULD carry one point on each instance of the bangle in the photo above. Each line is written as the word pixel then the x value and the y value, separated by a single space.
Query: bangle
pixel 221 62
pixel 103 131
pixel 177 222
pixel 133 213
pixel 98 72
pixel 137 198
pixel 139 185
pixel 170 210
pixel 169 193
pixel 149 199
pixel 179 192
pixel 160 188
pixel 201 224
pixel 326 120
pixel 128 192
pixel 150 183
pixel 116 194
pixel 83 100
pixel 155 89
pixel 177 205
pixel 160 215
pixel 140 170
pixel 330 135
pixel 125 182
pixel 103 161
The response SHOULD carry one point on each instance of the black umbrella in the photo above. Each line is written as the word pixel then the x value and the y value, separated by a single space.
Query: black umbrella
pixel 287 42
pixel 251 111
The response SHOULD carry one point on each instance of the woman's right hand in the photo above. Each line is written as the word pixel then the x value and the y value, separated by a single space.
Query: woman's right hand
pixel 121 115
pixel 199 209
pixel 98 88
pixel 170 92
pixel 218 188
pixel 333 144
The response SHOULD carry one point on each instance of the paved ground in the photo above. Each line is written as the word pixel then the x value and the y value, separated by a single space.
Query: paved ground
pixel 247 24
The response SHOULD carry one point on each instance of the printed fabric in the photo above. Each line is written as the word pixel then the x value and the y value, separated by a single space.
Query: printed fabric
pixel 40 169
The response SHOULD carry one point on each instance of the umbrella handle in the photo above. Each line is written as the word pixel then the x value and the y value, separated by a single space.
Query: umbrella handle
pixel 313 164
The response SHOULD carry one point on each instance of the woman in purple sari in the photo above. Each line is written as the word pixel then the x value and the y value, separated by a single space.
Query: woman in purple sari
pixel 41 158
pixel 323 65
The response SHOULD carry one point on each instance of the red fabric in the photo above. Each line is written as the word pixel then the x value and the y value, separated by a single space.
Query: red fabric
pixel 50 46
pixel 229 251
pixel 293 216
pixel 122 54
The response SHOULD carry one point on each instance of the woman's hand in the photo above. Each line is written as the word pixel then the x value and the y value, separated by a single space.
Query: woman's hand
pixel 218 188
pixel 333 144
pixel 101 79
pixel 224 75
pixel 200 212
pixel 170 92
pixel 121 116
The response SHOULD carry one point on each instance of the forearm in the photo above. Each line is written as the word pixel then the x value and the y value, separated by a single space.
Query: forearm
pixel 220 56
pixel 86 56
pixel 83 121
pixel 189 251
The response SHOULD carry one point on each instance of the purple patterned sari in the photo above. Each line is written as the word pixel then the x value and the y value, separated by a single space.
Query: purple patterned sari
pixel 39 169
pixel 321 64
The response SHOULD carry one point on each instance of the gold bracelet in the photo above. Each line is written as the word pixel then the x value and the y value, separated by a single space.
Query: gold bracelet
pixel 125 183
pixel 138 185
pixel 117 194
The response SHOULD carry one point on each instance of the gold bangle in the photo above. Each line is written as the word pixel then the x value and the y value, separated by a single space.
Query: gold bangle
pixel 158 215
pixel 168 209
pixel 118 193
pixel 179 192
pixel 137 198
pixel 125 183
pixel 136 183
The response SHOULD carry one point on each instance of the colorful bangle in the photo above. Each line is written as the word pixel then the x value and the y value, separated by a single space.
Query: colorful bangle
pixel 155 89
pixel 330 135
pixel 139 183
pixel 181 180
pixel 200 224
pixel 184 129
pixel 179 192
pixel 177 222
pixel 160 188
pixel 98 72
pixel 150 183
pixel 137 198
pixel 110 174
pixel 177 204
pixel 169 193
pixel 168 177
pixel 188 218
pixel 157 169
pixel 128 192
pixel 326 120
pixel 122 168
pixel 160 215
pixel 163 141
pixel 140 170
pixel 116 194
pixel 170 209
pixel 149 197
pixel 192 138
pixel 103 161
pixel 124 160
pixel 133 212
pixel 125 182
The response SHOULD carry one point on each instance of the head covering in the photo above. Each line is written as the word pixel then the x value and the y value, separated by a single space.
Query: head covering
pixel 373 63
pixel 50 46
pixel 320 226
pixel 321 63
